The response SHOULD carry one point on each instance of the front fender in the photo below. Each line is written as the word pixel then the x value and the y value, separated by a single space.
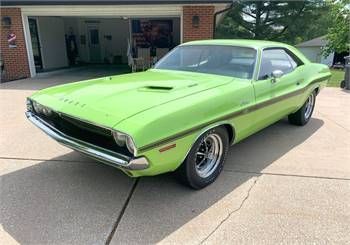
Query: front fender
pixel 179 118
pixel 181 122
pixel 169 160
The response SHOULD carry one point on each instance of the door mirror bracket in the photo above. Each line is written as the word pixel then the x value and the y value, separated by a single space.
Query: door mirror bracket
pixel 276 74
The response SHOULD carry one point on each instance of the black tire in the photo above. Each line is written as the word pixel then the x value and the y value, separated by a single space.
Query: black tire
pixel 190 172
pixel 300 117
pixel 342 84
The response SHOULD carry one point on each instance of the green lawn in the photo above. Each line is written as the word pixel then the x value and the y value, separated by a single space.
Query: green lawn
pixel 337 77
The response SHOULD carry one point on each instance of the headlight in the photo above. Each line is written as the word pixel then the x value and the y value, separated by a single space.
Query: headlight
pixel 124 140
pixel 29 105
pixel 119 138
pixel 130 145
pixel 39 109
pixel 47 112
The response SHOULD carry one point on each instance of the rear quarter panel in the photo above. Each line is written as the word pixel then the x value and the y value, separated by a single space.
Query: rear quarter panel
pixel 315 78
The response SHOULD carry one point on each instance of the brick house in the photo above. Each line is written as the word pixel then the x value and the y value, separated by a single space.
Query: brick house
pixel 43 35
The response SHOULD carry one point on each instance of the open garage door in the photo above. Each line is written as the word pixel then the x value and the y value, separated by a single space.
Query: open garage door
pixel 84 35
pixel 74 41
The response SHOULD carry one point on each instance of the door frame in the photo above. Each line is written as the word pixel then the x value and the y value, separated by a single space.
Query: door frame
pixel 89 25
pixel 39 40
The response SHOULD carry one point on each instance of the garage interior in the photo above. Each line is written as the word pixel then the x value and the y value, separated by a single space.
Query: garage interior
pixel 67 42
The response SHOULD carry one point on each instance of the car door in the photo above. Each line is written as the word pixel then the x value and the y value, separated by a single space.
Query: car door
pixel 286 87
pixel 271 93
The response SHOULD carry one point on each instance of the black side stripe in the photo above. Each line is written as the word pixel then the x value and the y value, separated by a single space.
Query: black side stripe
pixel 230 116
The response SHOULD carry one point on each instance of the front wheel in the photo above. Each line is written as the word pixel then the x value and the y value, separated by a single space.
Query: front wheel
pixel 303 115
pixel 205 160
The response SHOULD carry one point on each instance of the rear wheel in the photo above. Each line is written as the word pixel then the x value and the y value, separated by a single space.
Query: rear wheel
pixel 205 160
pixel 303 115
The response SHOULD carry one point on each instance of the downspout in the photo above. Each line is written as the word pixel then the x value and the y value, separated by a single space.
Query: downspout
pixel 220 12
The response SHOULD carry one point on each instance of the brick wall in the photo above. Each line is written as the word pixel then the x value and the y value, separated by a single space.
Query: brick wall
pixel 15 59
pixel 206 19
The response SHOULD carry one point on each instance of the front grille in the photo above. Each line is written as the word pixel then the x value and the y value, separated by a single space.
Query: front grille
pixel 84 131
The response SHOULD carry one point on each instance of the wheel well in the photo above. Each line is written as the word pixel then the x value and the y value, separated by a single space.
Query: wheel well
pixel 230 131
pixel 317 90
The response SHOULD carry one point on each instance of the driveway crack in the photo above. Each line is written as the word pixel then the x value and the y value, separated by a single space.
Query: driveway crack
pixel 121 214
pixel 338 124
pixel 230 214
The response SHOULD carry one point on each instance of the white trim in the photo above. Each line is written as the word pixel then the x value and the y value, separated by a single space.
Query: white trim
pixel 104 10
pixel 220 16
pixel 182 27
pixel 113 10
pixel 29 47
pixel 43 64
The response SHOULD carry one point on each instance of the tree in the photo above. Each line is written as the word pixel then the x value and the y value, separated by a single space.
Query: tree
pixel 309 25
pixel 286 21
pixel 338 34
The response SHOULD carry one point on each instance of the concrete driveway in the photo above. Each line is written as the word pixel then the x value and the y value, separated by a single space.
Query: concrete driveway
pixel 286 184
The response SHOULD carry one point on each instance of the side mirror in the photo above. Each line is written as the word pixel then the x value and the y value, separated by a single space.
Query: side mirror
pixel 276 74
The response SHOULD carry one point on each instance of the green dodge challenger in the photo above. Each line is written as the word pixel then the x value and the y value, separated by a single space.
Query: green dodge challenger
pixel 183 114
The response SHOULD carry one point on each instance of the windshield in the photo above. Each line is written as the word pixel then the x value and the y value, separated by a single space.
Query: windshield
pixel 213 59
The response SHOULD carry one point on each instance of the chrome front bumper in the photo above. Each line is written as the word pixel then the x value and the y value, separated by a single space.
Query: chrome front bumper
pixel 104 155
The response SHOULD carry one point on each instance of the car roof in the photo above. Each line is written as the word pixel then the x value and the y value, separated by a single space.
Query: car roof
pixel 238 42
pixel 249 43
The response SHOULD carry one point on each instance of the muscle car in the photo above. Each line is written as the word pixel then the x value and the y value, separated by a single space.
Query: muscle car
pixel 184 113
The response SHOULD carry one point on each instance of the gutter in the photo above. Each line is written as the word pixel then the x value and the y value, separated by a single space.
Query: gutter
pixel 220 12
pixel 104 2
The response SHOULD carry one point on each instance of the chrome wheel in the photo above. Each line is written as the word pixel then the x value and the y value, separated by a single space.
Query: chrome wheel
pixel 309 106
pixel 209 155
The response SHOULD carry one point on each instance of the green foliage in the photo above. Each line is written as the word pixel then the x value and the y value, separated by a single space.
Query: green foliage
pixel 287 21
pixel 336 78
pixel 338 34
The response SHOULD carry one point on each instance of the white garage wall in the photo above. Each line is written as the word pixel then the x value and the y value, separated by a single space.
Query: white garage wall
pixel 53 45
pixel 74 23
pixel 117 28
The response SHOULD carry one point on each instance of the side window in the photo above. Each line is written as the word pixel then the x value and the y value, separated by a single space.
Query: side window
pixel 275 59
pixel 292 61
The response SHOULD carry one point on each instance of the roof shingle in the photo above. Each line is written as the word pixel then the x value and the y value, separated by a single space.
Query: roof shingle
pixel 316 42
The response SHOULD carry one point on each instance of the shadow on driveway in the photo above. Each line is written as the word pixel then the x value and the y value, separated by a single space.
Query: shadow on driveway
pixel 50 79
pixel 160 205
pixel 75 202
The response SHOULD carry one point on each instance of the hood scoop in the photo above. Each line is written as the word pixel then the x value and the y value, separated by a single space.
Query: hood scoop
pixel 156 88
pixel 165 88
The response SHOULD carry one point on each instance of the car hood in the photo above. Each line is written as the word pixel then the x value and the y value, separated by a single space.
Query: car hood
pixel 110 100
